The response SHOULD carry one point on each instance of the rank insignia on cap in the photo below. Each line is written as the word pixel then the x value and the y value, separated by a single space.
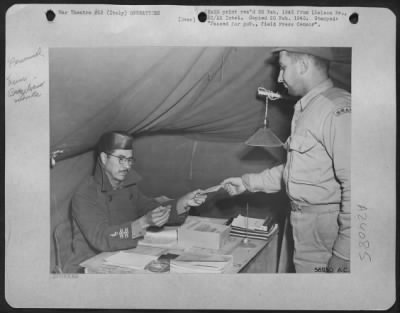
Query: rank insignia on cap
pixel 114 234
pixel 343 110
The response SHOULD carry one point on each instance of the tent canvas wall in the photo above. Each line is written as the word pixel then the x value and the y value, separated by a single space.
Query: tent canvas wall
pixel 189 108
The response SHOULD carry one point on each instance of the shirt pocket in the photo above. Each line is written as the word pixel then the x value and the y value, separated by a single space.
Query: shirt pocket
pixel 303 160
pixel 301 142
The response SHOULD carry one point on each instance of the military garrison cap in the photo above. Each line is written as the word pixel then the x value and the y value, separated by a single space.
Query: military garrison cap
pixel 333 54
pixel 114 140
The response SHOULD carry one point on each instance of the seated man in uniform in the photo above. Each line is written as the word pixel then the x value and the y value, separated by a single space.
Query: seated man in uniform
pixel 109 212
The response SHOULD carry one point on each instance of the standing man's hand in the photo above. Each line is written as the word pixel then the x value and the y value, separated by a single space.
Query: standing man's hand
pixel 234 185
pixel 338 265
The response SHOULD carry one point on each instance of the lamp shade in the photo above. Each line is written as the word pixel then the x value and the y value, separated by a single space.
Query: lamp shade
pixel 264 137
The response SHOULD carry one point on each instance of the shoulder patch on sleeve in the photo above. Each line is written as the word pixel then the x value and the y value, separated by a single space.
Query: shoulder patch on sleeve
pixel 343 110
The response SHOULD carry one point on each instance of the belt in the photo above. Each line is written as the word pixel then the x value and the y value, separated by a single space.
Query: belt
pixel 317 208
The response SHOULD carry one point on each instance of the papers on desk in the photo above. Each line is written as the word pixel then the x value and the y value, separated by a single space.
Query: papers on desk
pixel 163 238
pixel 131 260
pixel 253 227
pixel 201 263
pixel 167 237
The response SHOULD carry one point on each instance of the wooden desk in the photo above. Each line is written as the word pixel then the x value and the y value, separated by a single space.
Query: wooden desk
pixel 242 255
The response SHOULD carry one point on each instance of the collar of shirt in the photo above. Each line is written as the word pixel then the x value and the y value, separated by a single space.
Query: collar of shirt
pixel 101 178
pixel 307 98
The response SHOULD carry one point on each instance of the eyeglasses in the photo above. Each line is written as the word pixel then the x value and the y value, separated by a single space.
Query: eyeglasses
pixel 122 160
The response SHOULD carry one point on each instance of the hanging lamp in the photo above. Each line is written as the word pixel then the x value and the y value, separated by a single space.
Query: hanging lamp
pixel 264 137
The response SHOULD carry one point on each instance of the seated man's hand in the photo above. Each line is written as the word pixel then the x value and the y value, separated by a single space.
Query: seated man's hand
pixel 338 265
pixel 194 198
pixel 159 216
pixel 234 185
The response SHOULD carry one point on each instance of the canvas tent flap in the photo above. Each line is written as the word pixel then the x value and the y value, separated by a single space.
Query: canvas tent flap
pixel 207 91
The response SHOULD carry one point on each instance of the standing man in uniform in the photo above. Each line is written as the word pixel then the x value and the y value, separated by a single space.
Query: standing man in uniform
pixel 109 212
pixel 316 175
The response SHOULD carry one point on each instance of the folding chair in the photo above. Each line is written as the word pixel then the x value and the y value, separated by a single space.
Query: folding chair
pixel 63 244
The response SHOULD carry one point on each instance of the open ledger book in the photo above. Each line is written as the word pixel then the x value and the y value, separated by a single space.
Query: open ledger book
pixel 130 260
pixel 133 259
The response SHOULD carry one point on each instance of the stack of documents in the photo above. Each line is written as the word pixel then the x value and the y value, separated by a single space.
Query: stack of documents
pixel 130 260
pixel 201 263
pixel 164 238
pixel 253 227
